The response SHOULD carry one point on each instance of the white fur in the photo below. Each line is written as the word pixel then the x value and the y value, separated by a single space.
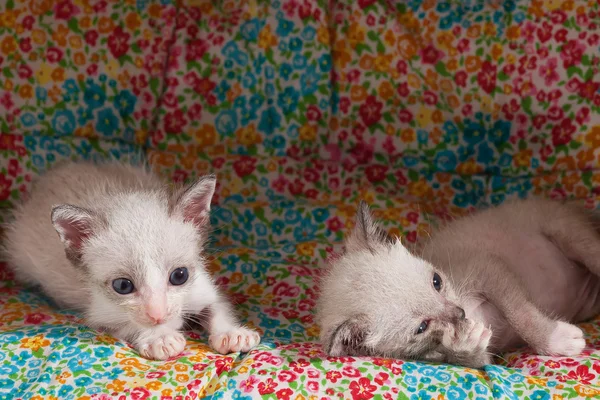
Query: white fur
pixel 131 226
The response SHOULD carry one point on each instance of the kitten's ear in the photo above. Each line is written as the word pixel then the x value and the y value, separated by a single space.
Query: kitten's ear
pixel 367 232
pixel 193 201
pixel 74 226
pixel 348 339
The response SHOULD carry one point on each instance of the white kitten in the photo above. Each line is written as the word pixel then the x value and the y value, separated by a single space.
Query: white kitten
pixel 128 254
pixel 516 272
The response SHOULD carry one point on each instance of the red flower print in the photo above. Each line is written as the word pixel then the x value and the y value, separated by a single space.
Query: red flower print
pixel 118 42
pixel 174 121
pixel 196 48
pixel 548 72
pixel 403 89
pixel 13 167
pixel 370 111
pixel 5 185
pixel 581 374
pixel 552 364
pixel 24 71
pixel 28 22
pixel 313 386
pixel 431 55
pixel 195 112
pixel 36 318
pixel 411 236
pixel 363 389
pixel 267 387
pixel 140 393
pixel 25 45
pixel 487 77
pixel 223 364
pixel 583 116
pixel 596 367
pixel 588 89
pixel 334 224
pixel 244 166
pixel 65 10
pixel 405 116
pixel 313 113
pixel 350 371
pixel 381 378
pixel 562 134
pixel 286 290
pixel 333 376
pixel 311 175
pixel 54 54
pixel 366 3
pixel 296 187
pixel 376 173
pixel 571 53
pixel 287 376
pixel 284 394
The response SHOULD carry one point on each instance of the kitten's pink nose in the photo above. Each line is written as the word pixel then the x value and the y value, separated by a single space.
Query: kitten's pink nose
pixel 156 314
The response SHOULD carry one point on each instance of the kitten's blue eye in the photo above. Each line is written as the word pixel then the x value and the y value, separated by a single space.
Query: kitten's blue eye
pixel 179 276
pixel 123 286
pixel 437 282
pixel 422 327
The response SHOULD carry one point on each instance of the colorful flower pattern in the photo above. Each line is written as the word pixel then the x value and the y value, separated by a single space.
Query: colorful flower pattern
pixel 301 107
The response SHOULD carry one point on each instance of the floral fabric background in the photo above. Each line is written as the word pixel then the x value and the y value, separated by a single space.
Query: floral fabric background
pixel 425 109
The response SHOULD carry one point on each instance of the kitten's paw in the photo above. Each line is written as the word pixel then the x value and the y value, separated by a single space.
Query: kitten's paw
pixel 471 337
pixel 239 339
pixel 565 340
pixel 161 347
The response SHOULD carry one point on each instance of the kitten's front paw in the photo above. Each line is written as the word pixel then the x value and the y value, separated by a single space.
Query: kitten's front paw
pixel 565 340
pixel 239 339
pixel 471 337
pixel 161 347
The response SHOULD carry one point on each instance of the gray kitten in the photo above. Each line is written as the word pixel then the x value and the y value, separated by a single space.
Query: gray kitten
pixel 500 278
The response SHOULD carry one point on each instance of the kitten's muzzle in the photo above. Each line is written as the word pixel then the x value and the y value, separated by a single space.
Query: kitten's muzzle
pixel 454 314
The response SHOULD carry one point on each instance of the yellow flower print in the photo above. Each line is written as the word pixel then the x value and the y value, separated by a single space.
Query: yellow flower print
pixel 468 168
pixel 58 75
pixel 113 68
pixel 308 132
pixel 341 56
pixel 182 378
pixel 8 45
pixel 419 189
pixel 592 138
pixel 60 35
pixel 382 62
pixel 552 5
pixel 356 34
pixel 206 135
pixel 323 34
pixel 247 135
pixel 313 330
pixel 306 249
pixel 523 158
pixel 62 378
pixel 236 277
pixel 423 117
pixel 255 290
pixel 35 343
pixel 133 21
pixel 266 39
pixel 26 91
pixel 408 135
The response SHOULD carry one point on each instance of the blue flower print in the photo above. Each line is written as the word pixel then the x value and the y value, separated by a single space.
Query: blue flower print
pixel 445 160
pixel 277 226
pixel 270 120
pixel 285 70
pixel 320 214
pixel 474 133
pixel 309 81
pixel 230 49
pixel 325 63
pixel 485 154
pixel 94 96
pixel 41 93
pixel 500 131
pixel 6 384
pixel 422 395
pixel 299 61
pixel 83 116
pixel 71 87
pixel 284 27
pixel 250 29
pixel 241 58
pixel 230 262
pixel 455 393
pixel 83 381
pixel 107 123
pixel 125 102
pixel 308 33
pixel 249 80
pixel 64 391
pixel 288 100
pixel 296 45
pixel 63 122
pixel 82 362
pixel 28 119
pixel 306 230
pixel 103 352
pixel 226 122
pixel 221 90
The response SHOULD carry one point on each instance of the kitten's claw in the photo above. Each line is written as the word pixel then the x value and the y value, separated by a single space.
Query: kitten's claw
pixel 161 347
pixel 240 339
pixel 471 337
pixel 565 340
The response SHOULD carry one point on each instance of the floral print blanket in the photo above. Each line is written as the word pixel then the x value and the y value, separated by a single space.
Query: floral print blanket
pixel 424 108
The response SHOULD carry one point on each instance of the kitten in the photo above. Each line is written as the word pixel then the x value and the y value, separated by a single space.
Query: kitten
pixel 500 278
pixel 128 254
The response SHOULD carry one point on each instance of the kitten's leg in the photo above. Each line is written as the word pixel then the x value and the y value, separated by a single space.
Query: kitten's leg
pixel 157 343
pixel 576 238
pixel 226 334
pixel 545 335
